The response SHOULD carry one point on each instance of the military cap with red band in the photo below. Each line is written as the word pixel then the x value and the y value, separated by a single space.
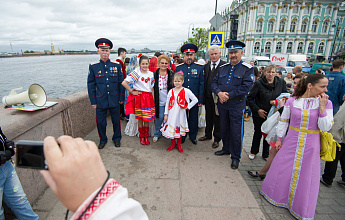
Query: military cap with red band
pixel 104 43
pixel 189 48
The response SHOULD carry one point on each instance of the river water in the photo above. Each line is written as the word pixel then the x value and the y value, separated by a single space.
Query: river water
pixel 59 75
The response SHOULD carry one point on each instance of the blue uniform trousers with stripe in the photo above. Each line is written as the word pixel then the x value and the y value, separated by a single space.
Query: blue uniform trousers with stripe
pixel 231 123
pixel 101 116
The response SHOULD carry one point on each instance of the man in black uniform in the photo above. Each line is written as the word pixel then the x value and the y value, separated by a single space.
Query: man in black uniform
pixel 106 92
pixel 232 82
pixel 212 120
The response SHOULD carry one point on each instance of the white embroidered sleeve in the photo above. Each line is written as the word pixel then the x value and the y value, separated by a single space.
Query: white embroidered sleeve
pixel 325 122
pixel 283 123
pixel 190 95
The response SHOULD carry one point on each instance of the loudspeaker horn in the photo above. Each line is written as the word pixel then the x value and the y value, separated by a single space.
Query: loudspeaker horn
pixel 35 94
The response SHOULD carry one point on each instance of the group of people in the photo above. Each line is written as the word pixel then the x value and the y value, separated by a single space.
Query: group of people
pixel 292 171
pixel 173 98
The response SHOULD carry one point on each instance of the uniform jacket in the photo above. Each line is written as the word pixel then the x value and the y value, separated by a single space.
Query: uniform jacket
pixel 156 87
pixel 193 78
pixel 262 93
pixel 235 80
pixel 336 89
pixel 209 75
pixel 104 84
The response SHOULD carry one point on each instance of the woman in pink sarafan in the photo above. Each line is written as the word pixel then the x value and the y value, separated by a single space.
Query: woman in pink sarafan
pixel 293 179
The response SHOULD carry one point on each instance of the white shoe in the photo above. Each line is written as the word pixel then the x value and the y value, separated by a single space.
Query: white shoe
pixel 155 139
pixel 251 156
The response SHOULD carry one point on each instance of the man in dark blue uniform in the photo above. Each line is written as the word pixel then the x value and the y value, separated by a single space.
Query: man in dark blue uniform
pixel 193 80
pixel 106 92
pixel 232 82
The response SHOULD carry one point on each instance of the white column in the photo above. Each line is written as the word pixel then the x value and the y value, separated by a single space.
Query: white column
pixel 276 26
pixel 311 18
pixel 287 30
pixel 328 51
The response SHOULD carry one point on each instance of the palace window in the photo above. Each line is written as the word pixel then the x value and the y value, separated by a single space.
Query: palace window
pixel 282 26
pixel 261 9
pixel 257 47
pixel 304 26
pixel 279 47
pixel 273 9
pixel 293 26
pixel 311 47
pixel 307 9
pixel 318 10
pixel 259 26
pixel 268 47
pixel 289 48
pixel 328 10
pixel 325 26
pixel 295 9
pixel 270 26
pixel 321 47
pixel 284 9
pixel 314 26
pixel 300 47
pixel 344 33
pixel 337 33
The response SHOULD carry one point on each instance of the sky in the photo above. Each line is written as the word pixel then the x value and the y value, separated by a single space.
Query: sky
pixel 76 24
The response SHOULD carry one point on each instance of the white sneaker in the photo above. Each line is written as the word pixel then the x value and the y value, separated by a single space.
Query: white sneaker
pixel 155 139
pixel 251 156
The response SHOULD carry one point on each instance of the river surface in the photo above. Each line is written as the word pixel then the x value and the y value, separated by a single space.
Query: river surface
pixel 59 75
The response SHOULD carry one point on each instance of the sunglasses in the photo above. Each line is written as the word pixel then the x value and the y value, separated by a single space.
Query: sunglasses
pixel 164 63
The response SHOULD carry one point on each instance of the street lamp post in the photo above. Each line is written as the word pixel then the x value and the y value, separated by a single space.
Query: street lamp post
pixel 189 28
pixel 335 34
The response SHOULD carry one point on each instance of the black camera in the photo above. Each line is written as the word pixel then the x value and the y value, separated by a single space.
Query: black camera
pixel 30 155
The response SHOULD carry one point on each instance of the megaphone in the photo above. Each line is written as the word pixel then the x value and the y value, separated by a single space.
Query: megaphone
pixel 35 94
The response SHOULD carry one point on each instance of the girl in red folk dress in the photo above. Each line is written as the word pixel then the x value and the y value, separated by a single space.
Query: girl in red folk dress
pixel 140 100
pixel 175 117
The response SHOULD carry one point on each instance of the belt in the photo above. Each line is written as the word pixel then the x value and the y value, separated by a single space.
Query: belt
pixel 305 130
pixel 235 99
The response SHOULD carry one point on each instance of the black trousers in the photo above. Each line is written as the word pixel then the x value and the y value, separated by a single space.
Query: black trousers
pixel 212 120
pixel 331 167
pixel 258 121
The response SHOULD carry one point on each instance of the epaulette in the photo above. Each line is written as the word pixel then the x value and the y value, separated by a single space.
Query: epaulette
pixel 247 65
pixel 114 62
pixel 94 63
pixel 199 63
pixel 224 64
pixel 179 64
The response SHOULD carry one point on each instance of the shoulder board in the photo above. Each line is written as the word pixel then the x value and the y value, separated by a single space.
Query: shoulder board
pixel 225 64
pixel 247 65
pixel 114 62
pixel 199 64
pixel 94 63
pixel 180 64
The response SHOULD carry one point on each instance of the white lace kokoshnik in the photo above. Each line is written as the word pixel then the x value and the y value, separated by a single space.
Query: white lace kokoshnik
pixel 324 123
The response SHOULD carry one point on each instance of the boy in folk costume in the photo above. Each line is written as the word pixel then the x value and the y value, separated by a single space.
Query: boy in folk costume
pixel 175 117
pixel 140 100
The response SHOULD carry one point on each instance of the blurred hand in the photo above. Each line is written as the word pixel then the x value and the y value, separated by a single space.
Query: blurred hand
pixel 262 113
pixel 278 145
pixel 121 103
pixel 223 97
pixel 323 98
pixel 134 92
pixel 94 106
pixel 272 102
pixel 165 118
pixel 199 105
pixel 75 170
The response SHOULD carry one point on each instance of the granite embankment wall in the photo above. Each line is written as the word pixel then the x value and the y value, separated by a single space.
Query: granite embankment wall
pixel 72 116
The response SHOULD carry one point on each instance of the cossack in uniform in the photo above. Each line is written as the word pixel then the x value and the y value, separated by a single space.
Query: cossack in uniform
pixel 193 80
pixel 105 90
pixel 236 80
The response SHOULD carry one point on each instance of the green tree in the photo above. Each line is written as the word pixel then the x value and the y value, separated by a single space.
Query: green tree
pixel 199 38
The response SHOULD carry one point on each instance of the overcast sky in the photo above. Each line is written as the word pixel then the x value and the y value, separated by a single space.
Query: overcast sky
pixel 76 24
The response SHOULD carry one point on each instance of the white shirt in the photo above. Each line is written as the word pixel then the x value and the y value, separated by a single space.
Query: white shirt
pixel 217 63
pixel 163 89
pixel 141 81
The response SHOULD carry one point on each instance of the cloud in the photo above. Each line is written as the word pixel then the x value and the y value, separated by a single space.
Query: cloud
pixel 76 24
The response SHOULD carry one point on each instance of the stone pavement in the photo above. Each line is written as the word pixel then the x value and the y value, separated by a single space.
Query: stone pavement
pixel 193 185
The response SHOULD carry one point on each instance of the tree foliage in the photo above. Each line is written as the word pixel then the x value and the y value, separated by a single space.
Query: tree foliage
pixel 199 38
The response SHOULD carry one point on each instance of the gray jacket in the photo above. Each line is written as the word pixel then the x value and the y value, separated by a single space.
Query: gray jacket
pixel 338 128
